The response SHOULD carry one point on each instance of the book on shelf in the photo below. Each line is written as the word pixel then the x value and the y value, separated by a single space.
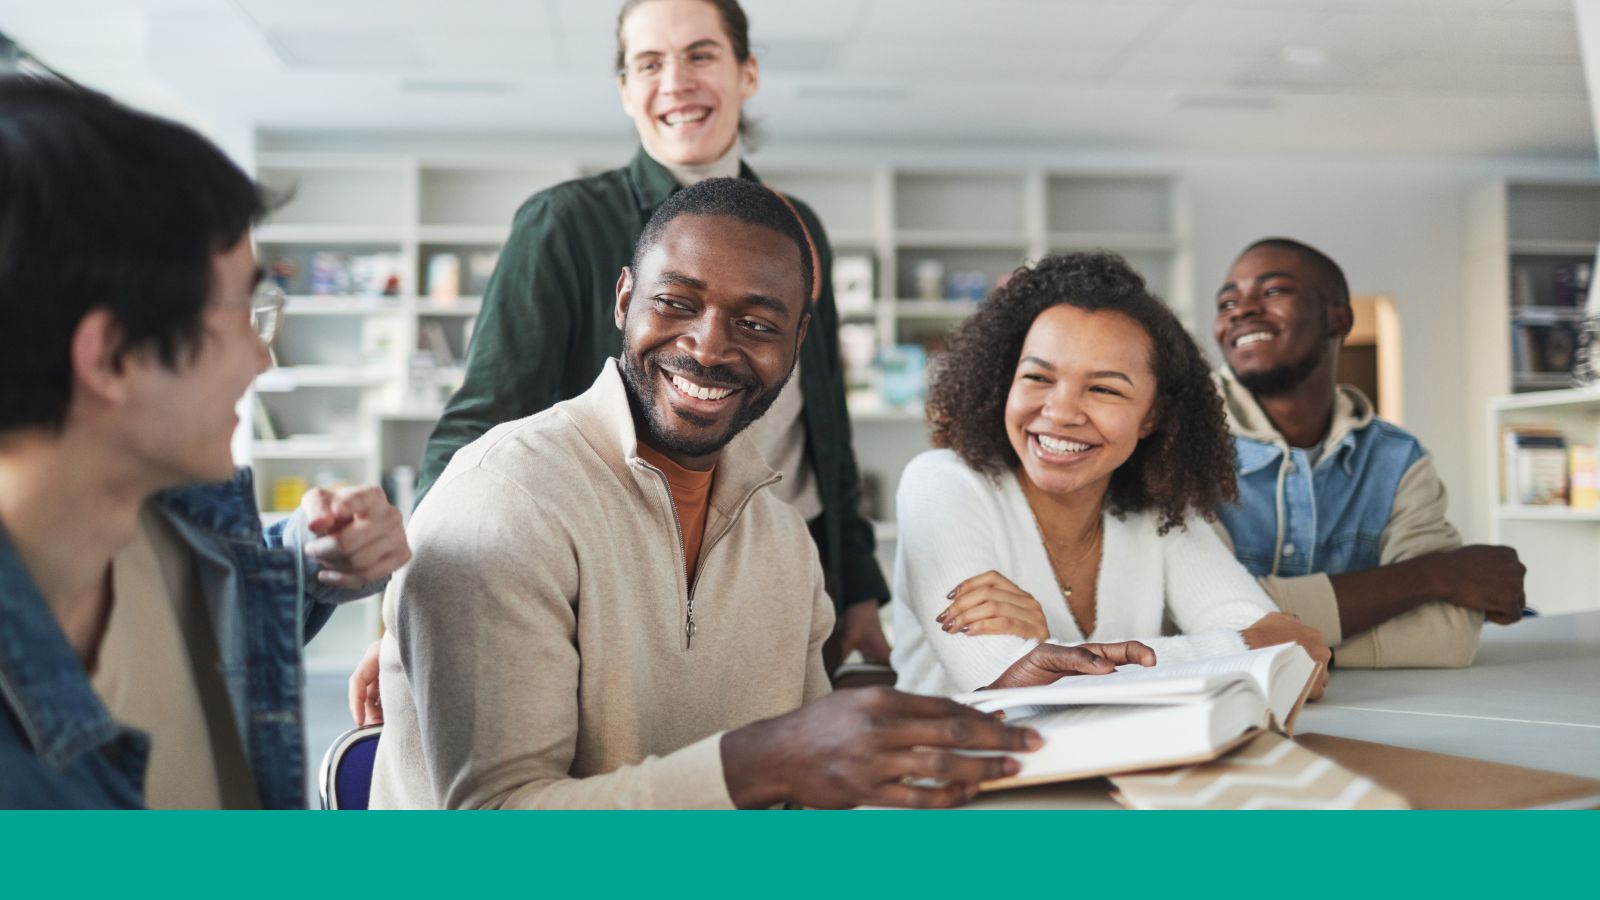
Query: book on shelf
pixel 1533 466
pixel 437 342
pixel 262 422
pixel 1583 473
pixel 1167 715
pixel 1539 348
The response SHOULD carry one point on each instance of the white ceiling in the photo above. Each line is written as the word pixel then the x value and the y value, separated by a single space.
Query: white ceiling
pixel 1468 78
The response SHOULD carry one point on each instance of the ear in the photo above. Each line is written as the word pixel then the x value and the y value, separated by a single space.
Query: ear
pixel 99 370
pixel 1341 318
pixel 749 77
pixel 1151 420
pixel 624 296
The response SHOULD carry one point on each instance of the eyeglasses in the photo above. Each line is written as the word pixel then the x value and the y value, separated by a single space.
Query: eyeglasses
pixel 266 311
pixel 649 68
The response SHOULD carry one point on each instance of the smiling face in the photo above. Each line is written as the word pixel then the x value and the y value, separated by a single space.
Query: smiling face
pixel 1082 398
pixel 1273 326
pixel 181 422
pixel 681 83
pixel 711 324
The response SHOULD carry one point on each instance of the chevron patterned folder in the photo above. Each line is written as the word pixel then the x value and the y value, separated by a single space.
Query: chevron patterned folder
pixel 1269 772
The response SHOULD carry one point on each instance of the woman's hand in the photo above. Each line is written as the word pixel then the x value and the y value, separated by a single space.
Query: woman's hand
pixel 1286 628
pixel 991 604
pixel 366 706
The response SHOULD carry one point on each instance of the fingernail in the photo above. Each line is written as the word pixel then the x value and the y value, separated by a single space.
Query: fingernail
pixel 950 595
pixel 1012 767
pixel 940 617
pixel 1032 739
pixel 964 628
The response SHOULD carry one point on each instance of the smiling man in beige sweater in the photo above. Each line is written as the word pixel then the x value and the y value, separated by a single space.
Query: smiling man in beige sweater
pixel 606 607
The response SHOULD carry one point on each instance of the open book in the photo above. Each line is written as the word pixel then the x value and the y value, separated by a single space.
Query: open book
pixel 1167 715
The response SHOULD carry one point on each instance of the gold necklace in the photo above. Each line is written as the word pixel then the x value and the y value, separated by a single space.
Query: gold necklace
pixel 1055 565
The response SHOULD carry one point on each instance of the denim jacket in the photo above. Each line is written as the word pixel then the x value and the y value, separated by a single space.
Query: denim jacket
pixel 60 748
pixel 1293 518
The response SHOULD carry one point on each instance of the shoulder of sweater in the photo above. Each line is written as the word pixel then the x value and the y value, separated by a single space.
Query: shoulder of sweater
pixel 936 470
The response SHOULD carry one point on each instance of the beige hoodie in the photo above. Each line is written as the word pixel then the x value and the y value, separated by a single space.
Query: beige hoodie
pixel 535 653
pixel 1435 634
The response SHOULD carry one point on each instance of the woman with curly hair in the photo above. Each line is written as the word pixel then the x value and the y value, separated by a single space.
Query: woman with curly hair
pixel 1083 447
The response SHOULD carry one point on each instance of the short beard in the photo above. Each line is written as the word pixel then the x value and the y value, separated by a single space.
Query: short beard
pixel 1280 380
pixel 642 390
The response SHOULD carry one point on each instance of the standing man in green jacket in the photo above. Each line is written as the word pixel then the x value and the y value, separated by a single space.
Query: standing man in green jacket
pixel 684 68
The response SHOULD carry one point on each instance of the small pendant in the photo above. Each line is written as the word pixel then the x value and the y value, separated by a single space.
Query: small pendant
pixel 1066 592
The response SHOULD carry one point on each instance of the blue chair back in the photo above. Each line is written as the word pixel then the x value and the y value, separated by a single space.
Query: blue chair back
pixel 346 777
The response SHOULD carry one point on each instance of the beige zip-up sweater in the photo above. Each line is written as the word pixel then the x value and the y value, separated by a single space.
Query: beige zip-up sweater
pixel 1435 634
pixel 536 652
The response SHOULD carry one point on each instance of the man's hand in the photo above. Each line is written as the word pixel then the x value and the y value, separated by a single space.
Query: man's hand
pixel 1483 577
pixel 992 604
pixel 1048 663
pixel 865 746
pixel 1286 628
pixel 861 630
pixel 359 535
pixel 366 706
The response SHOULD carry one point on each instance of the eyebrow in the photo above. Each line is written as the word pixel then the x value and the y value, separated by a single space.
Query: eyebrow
pixel 1265 276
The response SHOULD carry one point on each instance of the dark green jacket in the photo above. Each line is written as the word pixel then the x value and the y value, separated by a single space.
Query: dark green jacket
pixel 546 330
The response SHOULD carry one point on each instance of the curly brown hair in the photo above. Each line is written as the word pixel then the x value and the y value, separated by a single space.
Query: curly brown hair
pixel 1185 465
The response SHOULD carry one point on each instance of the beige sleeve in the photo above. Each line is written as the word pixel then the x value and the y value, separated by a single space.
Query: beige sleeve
pixel 487 632
pixel 1437 634
pixel 817 683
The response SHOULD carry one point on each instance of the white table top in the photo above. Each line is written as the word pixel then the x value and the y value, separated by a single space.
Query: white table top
pixel 1531 698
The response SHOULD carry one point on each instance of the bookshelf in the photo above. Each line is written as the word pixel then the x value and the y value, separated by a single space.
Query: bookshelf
pixel 1560 545
pixel 362 376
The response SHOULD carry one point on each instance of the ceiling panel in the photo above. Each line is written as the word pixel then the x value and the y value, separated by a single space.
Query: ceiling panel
pixel 1548 35
pixel 1486 76
pixel 518 50
pixel 311 15
pixel 945 62
pixel 1164 68
pixel 1004 22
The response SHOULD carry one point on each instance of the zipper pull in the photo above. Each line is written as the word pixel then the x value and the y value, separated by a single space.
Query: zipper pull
pixel 688 632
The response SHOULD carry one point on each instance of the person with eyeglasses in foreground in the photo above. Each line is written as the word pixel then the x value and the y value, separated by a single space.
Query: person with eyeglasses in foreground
pixel 150 632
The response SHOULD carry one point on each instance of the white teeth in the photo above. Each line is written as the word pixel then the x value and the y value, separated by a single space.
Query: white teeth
pixel 1254 337
pixel 695 390
pixel 1056 445
pixel 680 118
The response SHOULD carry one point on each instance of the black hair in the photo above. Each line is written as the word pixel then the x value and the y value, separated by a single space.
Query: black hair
pixel 747 201
pixel 734 22
pixel 1185 466
pixel 102 206
pixel 1331 285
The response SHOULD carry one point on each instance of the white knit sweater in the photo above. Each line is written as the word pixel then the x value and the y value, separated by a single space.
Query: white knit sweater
pixel 956 523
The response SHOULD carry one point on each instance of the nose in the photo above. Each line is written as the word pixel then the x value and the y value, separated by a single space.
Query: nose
pixel 707 340
pixel 676 76
pixel 1061 405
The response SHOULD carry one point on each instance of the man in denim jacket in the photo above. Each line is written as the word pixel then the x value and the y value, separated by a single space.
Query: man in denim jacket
pixel 1340 514
pixel 150 634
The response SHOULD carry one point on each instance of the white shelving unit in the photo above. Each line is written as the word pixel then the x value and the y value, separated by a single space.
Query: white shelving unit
pixel 350 398
pixel 349 405
pixel 1559 545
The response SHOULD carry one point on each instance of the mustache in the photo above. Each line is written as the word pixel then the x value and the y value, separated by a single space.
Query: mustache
pixel 718 376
